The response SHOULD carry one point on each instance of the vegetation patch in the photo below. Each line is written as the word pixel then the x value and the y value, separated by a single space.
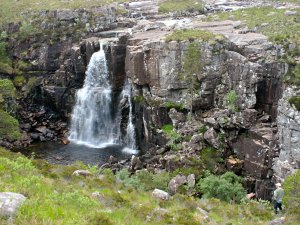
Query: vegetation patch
pixel 175 105
pixel 5 62
pixel 191 35
pixel 9 126
pixel 295 100
pixel 174 137
pixel 54 196
pixel 227 187
pixel 231 99
pixel 292 196
pixel 166 6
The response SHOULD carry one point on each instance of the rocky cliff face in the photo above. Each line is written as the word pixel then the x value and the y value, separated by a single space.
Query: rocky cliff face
pixel 243 64
pixel 288 136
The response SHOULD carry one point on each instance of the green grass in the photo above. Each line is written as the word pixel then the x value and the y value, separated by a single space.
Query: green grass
pixel 166 6
pixel 54 196
pixel 278 27
pixel 9 126
pixel 191 35
pixel 10 10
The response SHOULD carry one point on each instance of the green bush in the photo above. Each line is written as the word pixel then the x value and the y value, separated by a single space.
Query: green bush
pixel 227 187
pixel 291 198
pixel 9 126
pixel 7 96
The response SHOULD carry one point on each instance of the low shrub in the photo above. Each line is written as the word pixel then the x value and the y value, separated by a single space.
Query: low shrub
pixel 227 187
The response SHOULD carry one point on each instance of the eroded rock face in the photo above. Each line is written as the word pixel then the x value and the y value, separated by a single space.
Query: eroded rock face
pixel 288 122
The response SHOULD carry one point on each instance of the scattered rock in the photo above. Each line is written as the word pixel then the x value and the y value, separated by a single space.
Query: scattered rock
pixel 175 183
pixel 160 194
pixel 82 173
pixel 211 137
pixel 277 221
pixel 136 163
pixel 203 212
pixel 290 13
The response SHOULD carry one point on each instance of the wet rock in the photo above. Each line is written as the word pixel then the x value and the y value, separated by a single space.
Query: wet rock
pixel 136 163
pixel 175 183
pixel 161 195
pixel 65 141
pixel 9 203
pixel 112 160
pixel 41 129
pixel 82 173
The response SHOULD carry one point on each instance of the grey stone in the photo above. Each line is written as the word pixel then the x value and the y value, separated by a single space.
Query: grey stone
pixel 9 203
pixel 191 180
pixel 82 173
pixel 175 183
pixel 160 194
pixel 211 137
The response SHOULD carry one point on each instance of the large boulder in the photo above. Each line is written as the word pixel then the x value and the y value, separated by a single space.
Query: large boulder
pixel 161 195
pixel 9 203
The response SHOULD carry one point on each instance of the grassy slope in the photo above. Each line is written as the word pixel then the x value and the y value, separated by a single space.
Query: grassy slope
pixel 10 10
pixel 54 196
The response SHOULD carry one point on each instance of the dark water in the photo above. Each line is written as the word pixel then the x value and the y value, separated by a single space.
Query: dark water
pixel 67 154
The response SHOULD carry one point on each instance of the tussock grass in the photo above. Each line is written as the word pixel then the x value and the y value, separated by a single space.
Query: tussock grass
pixel 269 21
pixel 166 6
pixel 191 35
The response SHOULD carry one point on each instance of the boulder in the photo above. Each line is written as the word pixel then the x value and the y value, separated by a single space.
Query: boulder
pixel 9 203
pixel 191 180
pixel 175 183
pixel 211 137
pixel 277 221
pixel 176 117
pixel 82 173
pixel 161 195
pixel 136 163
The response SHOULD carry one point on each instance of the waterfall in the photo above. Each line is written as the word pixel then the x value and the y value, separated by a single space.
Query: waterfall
pixel 129 139
pixel 92 123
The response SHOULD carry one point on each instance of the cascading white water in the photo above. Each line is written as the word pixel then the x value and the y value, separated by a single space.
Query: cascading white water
pixel 92 123
pixel 129 139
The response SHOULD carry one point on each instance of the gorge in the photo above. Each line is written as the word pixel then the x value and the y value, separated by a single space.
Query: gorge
pixel 119 79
